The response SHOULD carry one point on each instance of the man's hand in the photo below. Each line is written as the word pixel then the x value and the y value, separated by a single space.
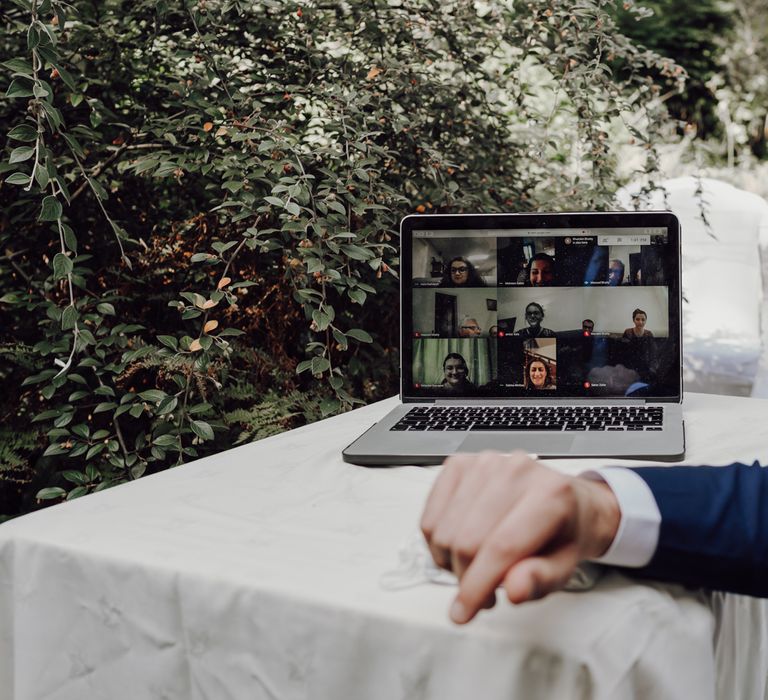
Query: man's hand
pixel 494 519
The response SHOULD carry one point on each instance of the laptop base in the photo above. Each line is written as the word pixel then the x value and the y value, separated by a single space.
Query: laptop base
pixel 379 446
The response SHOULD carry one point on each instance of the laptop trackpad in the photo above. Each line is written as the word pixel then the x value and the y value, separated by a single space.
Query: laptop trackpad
pixel 537 444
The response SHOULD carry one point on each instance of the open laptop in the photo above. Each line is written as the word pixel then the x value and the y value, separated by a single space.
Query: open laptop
pixel 556 334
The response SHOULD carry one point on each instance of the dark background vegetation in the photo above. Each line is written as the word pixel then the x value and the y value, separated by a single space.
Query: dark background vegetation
pixel 200 200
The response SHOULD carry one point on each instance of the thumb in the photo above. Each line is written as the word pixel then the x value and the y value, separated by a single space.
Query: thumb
pixel 535 577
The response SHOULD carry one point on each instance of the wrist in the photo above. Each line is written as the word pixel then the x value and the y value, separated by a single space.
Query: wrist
pixel 601 518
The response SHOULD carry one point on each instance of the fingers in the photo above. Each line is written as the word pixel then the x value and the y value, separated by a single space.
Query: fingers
pixel 439 497
pixel 497 519
pixel 527 531
pixel 535 577
pixel 457 495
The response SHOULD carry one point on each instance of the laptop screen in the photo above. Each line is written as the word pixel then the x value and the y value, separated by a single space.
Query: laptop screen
pixel 545 306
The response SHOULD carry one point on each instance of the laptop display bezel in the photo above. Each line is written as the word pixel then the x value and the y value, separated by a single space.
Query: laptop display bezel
pixel 565 220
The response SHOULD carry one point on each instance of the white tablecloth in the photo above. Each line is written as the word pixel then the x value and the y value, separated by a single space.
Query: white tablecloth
pixel 256 574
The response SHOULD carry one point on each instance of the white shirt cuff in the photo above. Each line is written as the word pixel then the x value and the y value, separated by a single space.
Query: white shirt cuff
pixel 638 533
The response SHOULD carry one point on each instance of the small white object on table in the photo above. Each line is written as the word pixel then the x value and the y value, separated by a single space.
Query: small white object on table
pixel 256 573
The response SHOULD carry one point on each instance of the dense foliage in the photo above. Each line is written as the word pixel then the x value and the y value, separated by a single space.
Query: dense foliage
pixel 200 202
pixel 690 34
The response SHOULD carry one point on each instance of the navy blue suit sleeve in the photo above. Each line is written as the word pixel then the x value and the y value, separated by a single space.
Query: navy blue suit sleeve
pixel 714 527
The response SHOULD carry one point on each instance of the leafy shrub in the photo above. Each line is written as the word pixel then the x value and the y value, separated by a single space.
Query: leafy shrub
pixel 203 196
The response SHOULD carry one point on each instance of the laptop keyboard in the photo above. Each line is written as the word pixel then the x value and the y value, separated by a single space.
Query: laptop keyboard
pixel 554 418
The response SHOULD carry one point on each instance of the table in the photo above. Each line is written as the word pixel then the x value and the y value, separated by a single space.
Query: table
pixel 256 573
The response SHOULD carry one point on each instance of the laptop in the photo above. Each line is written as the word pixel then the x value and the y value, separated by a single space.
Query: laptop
pixel 555 334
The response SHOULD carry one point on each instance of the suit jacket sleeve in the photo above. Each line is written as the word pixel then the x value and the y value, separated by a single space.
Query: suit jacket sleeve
pixel 714 527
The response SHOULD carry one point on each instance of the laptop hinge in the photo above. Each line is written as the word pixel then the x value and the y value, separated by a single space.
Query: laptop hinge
pixel 534 402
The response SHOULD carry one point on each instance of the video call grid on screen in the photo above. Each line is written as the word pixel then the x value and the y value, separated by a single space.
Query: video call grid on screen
pixel 555 312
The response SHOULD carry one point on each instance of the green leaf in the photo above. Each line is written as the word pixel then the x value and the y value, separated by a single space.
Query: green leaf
pixel 106 309
pixel 202 429
pixel 165 440
pixel 336 206
pixel 303 366
pixel 33 37
pixel 20 65
pixel 95 450
pixel 222 248
pixel 18 179
pixel 62 266
pixel 320 365
pixel 92 473
pixel 49 493
pixel 321 319
pixel 137 471
pixel 169 341
pixel 46 415
pixel 104 406
pixel 66 77
pixel 153 395
pixel 42 178
pixel 68 318
pixel 329 406
pixel 51 210
pixel 356 252
pixel 144 164
pixel 75 477
pixel 54 450
pixel 22 132
pixel 336 382
pixel 73 143
pixel 69 238
pixel 43 91
pixel 81 430
pixel 357 295
pixel 80 449
pixel 292 208
pixel 20 88
pixel 22 153
pixel 359 334
pixel 77 492
pixel 167 405
pixel 340 338
pixel 48 392
pixel 63 419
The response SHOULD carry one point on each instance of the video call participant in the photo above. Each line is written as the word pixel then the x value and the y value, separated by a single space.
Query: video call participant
pixel 455 371
pixel 541 271
pixel 469 328
pixel 461 273
pixel 615 273
pixel 588 326
pixel 639 317
pixel 537 376
pixel 534 315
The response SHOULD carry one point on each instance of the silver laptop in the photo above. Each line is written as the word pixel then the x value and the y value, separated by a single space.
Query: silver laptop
pixel 556 334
